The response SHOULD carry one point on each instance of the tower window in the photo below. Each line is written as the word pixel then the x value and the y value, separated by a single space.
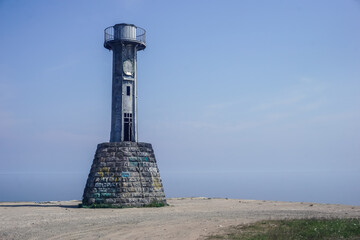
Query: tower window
pixel 128 90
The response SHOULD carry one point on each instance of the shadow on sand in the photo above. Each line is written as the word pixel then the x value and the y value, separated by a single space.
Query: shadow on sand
pixel 39 205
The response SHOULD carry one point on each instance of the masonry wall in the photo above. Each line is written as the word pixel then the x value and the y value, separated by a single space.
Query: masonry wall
pixel 124 174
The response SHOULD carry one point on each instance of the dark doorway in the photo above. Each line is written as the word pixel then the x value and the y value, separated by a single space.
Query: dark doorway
pixel 128 127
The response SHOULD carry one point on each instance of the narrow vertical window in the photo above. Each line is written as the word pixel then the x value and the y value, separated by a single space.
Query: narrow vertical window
pixel 128 90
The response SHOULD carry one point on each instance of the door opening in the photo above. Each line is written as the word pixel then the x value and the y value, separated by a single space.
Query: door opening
pixel 128 127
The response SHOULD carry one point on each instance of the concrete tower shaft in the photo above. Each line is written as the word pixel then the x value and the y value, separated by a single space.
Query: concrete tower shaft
pixel 124 40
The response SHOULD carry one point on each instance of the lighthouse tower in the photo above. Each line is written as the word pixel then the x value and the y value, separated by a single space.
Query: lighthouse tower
pixel 124 172
pixel 124 40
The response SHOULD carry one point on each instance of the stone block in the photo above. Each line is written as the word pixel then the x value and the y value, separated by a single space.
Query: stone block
pixel 99 200
pixel 109 201
pixel 124 173
pixel 110 164
pixel 105 195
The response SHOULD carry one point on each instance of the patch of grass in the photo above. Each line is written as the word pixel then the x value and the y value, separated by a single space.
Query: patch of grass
pixel 297 229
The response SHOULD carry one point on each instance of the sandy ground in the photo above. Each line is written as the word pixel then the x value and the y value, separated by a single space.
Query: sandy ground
pixel 185 218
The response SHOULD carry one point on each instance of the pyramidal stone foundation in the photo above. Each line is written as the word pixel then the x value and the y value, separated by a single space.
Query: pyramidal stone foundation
pixel 124 174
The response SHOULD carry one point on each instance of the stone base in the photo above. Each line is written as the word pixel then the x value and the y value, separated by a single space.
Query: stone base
pixel 124 174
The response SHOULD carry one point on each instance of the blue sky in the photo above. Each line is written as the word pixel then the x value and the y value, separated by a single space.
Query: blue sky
pixel 242 99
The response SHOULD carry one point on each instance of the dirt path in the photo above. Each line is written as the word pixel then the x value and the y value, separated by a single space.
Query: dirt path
pixel 185 218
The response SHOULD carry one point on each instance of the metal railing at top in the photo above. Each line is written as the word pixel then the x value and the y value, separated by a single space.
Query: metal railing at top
pixel 140 35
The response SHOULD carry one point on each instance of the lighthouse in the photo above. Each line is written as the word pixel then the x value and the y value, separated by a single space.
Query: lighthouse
pixel 124 172
pixel 125 40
